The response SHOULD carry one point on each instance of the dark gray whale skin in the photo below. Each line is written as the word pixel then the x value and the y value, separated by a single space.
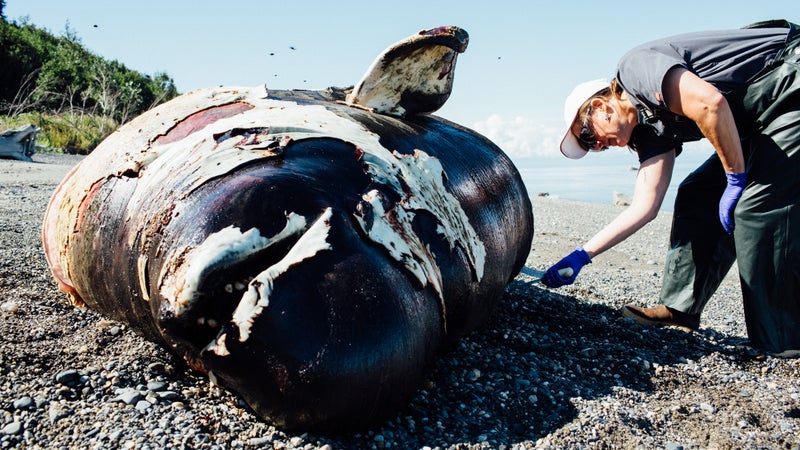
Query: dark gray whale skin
pixel 344 333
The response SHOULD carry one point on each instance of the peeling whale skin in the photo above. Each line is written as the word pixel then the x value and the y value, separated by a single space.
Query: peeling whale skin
pixel 309 255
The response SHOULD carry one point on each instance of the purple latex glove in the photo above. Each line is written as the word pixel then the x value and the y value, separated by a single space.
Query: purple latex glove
pixel 736 183
pixel 576 260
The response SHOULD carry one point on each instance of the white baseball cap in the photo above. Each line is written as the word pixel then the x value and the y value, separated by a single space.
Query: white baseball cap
pixel 570 146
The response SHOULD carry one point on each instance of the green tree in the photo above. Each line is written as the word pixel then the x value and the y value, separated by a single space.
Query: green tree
pixel 65 76
pixel 81 95
pixel 23 51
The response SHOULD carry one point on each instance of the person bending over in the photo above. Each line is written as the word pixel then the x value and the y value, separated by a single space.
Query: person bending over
pixel 740 89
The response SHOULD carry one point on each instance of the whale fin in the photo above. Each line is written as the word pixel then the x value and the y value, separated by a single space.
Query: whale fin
pixel 414 76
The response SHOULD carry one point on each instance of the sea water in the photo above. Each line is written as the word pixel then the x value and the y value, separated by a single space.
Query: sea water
pixel 597 177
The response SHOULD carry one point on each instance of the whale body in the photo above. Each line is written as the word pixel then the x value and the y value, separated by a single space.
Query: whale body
pixel 311 251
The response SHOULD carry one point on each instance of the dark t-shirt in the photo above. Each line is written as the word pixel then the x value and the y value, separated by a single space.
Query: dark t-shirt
pixel 726 59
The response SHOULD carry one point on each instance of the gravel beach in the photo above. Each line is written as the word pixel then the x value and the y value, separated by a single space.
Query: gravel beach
pixel 550 369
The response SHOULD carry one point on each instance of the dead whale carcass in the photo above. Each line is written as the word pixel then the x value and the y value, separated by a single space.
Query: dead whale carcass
pixel 309 250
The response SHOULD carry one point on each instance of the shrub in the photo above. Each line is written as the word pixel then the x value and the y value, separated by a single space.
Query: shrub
pixel 70 132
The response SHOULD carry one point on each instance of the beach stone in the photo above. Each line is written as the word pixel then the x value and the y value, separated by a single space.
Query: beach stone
pixel 143 405
pixel 58 411
pixel 10 307
pixel 40 401
pixel 707 407
pixel 168 396
pixel 129 396
pixel 12 428
pixel 68 377
pixel 574 398
pixel 156 386
pixel 23 403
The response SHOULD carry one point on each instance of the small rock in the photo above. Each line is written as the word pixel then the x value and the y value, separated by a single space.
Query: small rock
pixel 156 386
pixel 169 396
pixel 129 396
pixel 621 199
pixel 10 307
pixel 707 407
pixel 259 441
pixel 157 368
pixel 58 411
pixel 12 428
pixel 143 405
pixel 474 375
pixel 23 403
pixel 65 392
pixel 68 377
pixel 39 401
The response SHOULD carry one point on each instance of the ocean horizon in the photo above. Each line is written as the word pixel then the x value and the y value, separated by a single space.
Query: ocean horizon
pixel 597 178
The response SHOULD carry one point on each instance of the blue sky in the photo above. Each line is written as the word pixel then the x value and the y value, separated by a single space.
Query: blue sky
pixel 524 57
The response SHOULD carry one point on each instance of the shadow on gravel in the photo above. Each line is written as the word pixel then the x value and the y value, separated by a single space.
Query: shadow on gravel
pixel 516 379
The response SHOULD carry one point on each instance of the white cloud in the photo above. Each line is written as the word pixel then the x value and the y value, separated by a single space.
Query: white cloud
pixel 521 137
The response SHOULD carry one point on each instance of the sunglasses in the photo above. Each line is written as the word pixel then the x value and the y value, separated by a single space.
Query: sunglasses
pixel 587 139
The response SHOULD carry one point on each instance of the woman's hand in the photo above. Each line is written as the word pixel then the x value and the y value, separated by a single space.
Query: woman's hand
pixel 566 270
pixel 736 184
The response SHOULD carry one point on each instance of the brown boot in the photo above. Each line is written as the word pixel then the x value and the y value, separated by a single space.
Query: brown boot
pixel 662 315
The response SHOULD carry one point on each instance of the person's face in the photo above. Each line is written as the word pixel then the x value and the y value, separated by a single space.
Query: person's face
pixel 604 127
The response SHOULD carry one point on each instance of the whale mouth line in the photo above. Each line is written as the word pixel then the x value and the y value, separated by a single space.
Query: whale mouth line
pixel 225 282
pixel 195 272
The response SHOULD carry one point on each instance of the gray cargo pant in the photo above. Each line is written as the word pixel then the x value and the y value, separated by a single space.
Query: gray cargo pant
pixel 766 239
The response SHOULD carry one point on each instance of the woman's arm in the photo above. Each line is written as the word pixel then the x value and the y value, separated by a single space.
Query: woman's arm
pixel 688 95
pixel 651 186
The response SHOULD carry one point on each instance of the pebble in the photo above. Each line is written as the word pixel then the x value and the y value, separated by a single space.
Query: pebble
pixel 23 403
pixel 168 396
pixel 707 407
pixel 68 377
pixel 9 307
pixel 12 428
pixel 259 441
pixel 129 396
pixel 156 386
pixel 551 368
pixel 58 411
pixel 143 405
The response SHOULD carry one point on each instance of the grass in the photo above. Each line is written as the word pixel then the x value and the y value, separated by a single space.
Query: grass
pixel 70 132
